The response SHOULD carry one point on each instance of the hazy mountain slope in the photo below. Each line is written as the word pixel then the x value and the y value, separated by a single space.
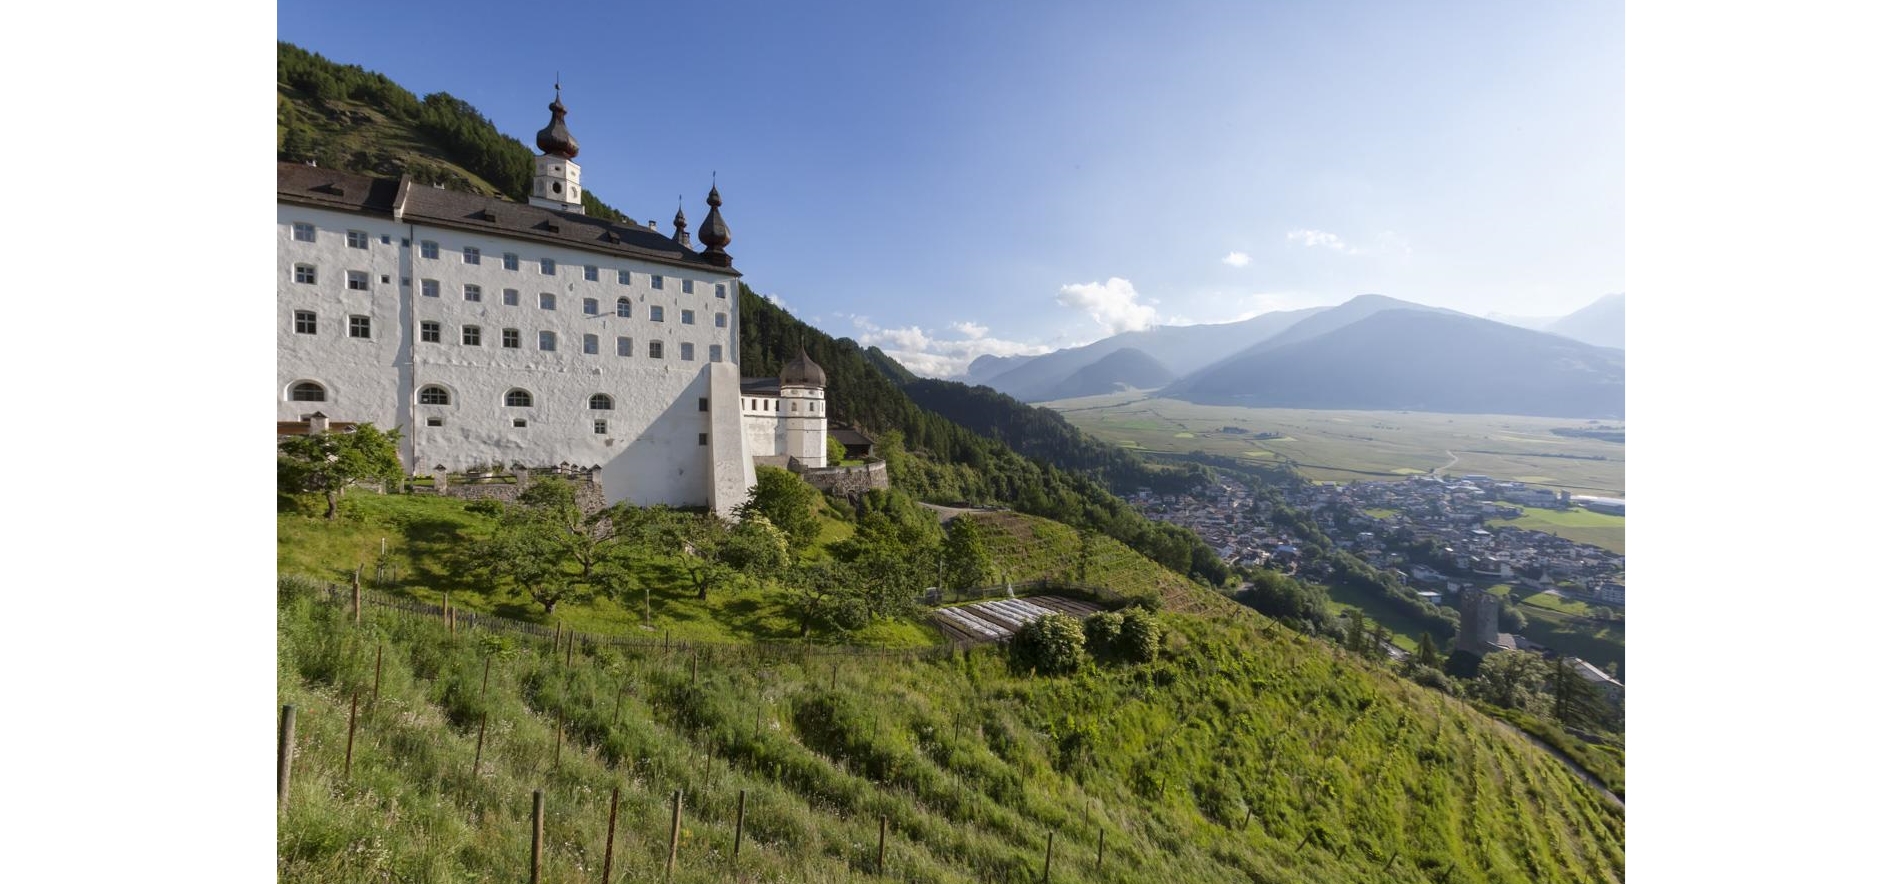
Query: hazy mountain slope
pixel 986 367
pixel 1422 361
pixel 1126 368
pixel 1600 323
pixel 1181 349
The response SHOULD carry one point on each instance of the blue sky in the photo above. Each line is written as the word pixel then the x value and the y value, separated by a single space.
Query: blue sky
pixel 944 180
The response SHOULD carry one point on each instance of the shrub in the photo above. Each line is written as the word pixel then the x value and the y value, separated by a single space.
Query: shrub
pixel 1142 636
pixel 1052 644
pixel 1102 632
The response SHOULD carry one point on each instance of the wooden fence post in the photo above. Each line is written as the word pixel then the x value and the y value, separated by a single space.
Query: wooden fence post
pixel 608 855
pixel 535 840
pixel 558 742
pixel 356 596
pixel 1050 840
pixel 882 823
pixel 739 820
pixel 571 649
pixel 376 683
pixel 287 740
pixel 446 610
pixel 1099 847
pixel 481 730
pixel 835 676
pixel 350 742
pixel 674 835
pixel 485 676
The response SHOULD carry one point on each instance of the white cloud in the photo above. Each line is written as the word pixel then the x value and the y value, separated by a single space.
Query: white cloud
pixel 1387 243
pixel 779 302
pixel 936 357
pixel 1111 304
pixel 1236 259
pixel 1320 239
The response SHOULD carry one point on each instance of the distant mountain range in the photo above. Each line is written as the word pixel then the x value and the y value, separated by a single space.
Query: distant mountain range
pixel 1372 352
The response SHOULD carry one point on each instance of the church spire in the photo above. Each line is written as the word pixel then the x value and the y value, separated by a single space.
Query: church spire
pixel 680 223
pixel 554 139
pixel 557 180
pixel 714 233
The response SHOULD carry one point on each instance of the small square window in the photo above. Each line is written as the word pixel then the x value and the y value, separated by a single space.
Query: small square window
pixel 511 262
pixel 720 320
pixel 386 278
pixel 654 349
pixel 687 286
pixel 591 273
pixel 432 332
pixel 713 353
pixel 432 422
pixel 306 274
pixel 548 266
pixel 546 340
pixel 428 248
pixel 601 427
pixel 303 232
pixel 472 255
pixel 703 438
pixel 625 277
pixel 687 351
pixel 548 301
pixel 472 292
pixel 590 306
pixel 624 346
pixel 687 317
pixel 654 282
pixel 720 292
pixel 472 335
pixel 656 314
pixel 357 239
pixel 590 344
pixel 304 322
pixel 520 422
pixel 357 281
pixel 703 403
pixel 511 298
pixel 511 339
pixel 360 327
pixel 432 288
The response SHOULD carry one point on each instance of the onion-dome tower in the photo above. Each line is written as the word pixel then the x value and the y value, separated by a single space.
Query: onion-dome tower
pixel 557 181
pixel 680 227
pixel 714 233
pixel 803 390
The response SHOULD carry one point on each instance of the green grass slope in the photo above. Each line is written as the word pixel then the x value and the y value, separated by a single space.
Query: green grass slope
pixel 1243 754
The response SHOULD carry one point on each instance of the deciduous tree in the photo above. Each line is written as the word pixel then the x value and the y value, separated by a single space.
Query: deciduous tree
pixel 327 463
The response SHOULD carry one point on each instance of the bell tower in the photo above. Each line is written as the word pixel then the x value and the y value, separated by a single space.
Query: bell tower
pixel 557 181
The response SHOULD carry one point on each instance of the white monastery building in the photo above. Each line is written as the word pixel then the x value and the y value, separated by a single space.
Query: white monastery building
pixel 496 332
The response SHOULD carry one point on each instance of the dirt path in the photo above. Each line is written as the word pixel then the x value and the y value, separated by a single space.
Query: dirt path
pixel 1576 769
pixel 1452 459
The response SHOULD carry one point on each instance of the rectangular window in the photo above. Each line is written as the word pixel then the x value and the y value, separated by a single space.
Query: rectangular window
pixel 511 262
pixel 590 306
pixel 357 281
pixel 624 346
pixel 703 438
pixel 687 317
pixel 654 349
pixel 357 239
pixel 429 249
pixel 511 339
pixel 306 274
pixel 546 340
pixel 656 314
pixel 591 273
pixel 432 332
pixel 432 288
pixel 511 298
pixel 590 344
pixel 360 327
pixel 472 292
pixel 303 232
pixel 654 282
pixel 687 351
pixel 626 277
pixel 703 403
pixel 520 422
pixel 548 266
pixel 713 352
pixel 601 427
pixel 720 320
pixel 548 301
pixel 432 422
pixel 720 292
pixel 687 286
pixel 304 322
pixel 472 255
pixel 472 335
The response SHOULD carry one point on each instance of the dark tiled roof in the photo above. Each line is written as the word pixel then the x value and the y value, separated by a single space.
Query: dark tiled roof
pixel 350 192
pixel 760 386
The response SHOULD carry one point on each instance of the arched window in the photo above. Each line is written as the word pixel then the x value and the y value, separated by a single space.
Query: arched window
pixel 518 399
pixel 601 402
pixel 307 391
pixel 624 308
pixel 433 396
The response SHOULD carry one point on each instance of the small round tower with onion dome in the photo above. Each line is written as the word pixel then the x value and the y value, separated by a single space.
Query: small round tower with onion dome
pixel 803 390
pixel 557 181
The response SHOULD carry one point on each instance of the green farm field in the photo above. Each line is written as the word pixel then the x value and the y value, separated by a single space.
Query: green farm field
pixel 1576 525
pixel 1346 446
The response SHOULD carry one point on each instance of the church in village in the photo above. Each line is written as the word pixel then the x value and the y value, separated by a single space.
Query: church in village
pixel 529 334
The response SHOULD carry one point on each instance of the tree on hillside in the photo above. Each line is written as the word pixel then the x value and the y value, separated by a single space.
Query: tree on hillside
pixel 529 551
pixel 588 538
pixel 327 463
pixel 1576 703
pixel 835 451
pixel 966 559
pixel 788 502
pixel 1514 680
pixel 1427 656
pixel 1052 644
